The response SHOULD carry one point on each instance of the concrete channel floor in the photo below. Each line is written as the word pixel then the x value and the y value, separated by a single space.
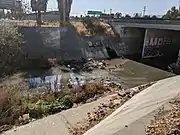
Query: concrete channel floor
pixel 132 117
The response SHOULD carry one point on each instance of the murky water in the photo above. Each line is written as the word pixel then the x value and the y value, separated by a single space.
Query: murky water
pixel 129 74
pixel 132 73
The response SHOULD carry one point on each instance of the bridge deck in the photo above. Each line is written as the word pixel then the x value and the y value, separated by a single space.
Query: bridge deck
pixel 149 26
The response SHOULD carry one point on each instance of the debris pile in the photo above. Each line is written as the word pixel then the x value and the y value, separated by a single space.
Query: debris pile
pixel 166 122
pixel 133 91
pixel 95 117
pixel 93 64
pixel 112 84
pixel 104 110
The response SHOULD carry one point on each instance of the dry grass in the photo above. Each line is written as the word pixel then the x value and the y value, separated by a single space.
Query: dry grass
pixel 15 101
pixel 81 29
pixel 11 104
pixel 88 91
pixel 166 122
pixel 94 118
pixel 104 111
pixel 108 29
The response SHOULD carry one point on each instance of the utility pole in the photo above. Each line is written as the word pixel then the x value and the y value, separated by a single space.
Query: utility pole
pixel 179 6
pixel 144 11
pixel 110 11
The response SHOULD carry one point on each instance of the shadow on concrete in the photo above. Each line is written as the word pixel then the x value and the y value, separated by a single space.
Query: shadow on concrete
pixel 158 62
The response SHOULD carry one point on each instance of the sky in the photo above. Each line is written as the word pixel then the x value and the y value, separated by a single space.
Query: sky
pixel 153 7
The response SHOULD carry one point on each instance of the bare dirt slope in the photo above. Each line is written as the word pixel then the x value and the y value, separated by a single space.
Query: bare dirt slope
pixel 134 115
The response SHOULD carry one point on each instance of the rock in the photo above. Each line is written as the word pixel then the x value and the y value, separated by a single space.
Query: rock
pixel 136 89
pixel 128 91
pixel 100 64
pixel 176 131
pixel 25 117
pixel 117 102
pixel 75 105
pixel 33 119
pixel 121 94
pixel 90 100
pixel 132 93
pixel 5 128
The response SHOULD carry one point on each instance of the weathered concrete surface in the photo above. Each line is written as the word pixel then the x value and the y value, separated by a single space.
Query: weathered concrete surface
pixel 157 41
pixel 57 124
pixel 150 42
pixel 131 39
pixel 65 43
pixel 134 113
pixel 50 42
pixel 149 26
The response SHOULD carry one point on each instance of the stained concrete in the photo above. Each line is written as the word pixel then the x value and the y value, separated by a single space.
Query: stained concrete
pixel 65 43
pixel 135 112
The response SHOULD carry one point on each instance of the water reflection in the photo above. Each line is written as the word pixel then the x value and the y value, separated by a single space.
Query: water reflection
pixel 51 82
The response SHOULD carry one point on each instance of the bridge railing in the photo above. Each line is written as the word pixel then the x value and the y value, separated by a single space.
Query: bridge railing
pixel 144 21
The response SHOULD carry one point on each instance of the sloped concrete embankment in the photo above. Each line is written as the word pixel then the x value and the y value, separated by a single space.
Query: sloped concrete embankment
pixel 134 115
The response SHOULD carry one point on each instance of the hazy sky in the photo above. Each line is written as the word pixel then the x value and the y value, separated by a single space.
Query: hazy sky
pixel 157 7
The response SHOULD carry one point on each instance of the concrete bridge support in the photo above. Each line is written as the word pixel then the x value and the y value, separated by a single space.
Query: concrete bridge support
pixel 148 43
pixel 160 43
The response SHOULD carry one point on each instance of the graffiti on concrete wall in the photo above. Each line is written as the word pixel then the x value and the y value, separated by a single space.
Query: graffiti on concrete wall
pixel 96 43
pixel 160 41
pixel 99 43
pixel 153 47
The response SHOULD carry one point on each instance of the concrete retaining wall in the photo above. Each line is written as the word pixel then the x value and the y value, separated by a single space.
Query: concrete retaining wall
pixel 131 39
pixel 64 43
pixel 161 43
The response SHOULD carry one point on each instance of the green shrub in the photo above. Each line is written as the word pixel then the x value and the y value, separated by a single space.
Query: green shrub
pixel 10 48
pixel 43 108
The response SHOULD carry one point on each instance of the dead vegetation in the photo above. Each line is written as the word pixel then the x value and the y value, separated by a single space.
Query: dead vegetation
pixel 93 118
pixel 104 110
pixel 96 27
pixel 18 106
pixel 166 122
pixel 10 49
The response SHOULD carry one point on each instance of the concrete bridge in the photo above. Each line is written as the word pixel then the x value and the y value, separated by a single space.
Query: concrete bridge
pixel 145 23
pixel 149 38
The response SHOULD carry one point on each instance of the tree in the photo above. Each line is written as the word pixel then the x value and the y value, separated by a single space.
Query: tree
pixel 10 48
pixel 136 15
pixel 118 15
pixel 60 7
pixel 154 17
pixel 127 16
pixel 38 6
pixel 147 17
pixel 21 10
pixel 8 15
pixel 172 13
pixel 2 15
